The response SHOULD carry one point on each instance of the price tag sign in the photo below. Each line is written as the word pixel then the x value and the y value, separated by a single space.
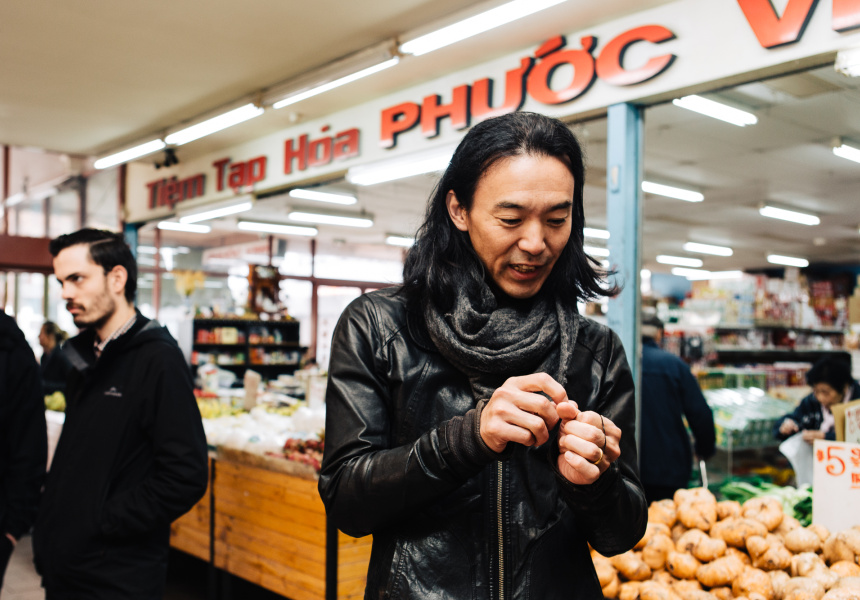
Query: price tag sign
pixel 852 424
pixel 836 484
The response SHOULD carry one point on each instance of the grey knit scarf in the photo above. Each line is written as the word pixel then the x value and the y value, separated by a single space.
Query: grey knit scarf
pixel 490 343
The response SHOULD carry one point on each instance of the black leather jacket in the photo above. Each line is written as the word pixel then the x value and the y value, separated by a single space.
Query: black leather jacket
pixel 451 519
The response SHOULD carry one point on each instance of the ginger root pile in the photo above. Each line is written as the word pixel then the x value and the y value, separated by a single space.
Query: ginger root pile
pixel 696 548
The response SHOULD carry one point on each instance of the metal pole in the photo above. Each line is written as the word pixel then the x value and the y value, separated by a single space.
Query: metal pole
pixel 624 216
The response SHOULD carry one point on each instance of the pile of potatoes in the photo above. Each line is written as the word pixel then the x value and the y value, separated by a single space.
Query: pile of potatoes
pixel 696 548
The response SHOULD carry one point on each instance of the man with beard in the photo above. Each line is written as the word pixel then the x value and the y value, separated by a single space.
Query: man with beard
pixel 474 419
pixel 132 454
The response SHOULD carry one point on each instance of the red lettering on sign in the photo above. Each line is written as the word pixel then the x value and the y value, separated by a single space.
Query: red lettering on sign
pixel 220 168
pixel 772 30
pixel 315 153
pixel 540 77
pixel 610 67
pixel 515 80
pixel 300 153
pixel 346 144
pixel 846 14
pixel 237 175
pixel 170 192
pixel 836 466
pixel 320 152
pixel 855 480
pixel 457 110
pixel 396 120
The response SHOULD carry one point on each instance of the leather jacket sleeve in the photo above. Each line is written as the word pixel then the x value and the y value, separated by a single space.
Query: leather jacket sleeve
pixel 613 509
pixel 367 483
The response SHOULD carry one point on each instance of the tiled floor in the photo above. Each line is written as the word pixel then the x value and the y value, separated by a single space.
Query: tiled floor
pixel 187 579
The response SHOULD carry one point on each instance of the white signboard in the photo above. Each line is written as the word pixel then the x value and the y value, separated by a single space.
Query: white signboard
pixel 852 425
pixel 836 485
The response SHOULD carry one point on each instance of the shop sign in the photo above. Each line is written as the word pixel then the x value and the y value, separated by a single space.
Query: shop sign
pixel 321 151
pixel 170 191
pixel 836 485
pixel 771 30
pixel 534 78
pixel 239 175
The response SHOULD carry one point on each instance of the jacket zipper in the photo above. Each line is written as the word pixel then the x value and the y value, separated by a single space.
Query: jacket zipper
pixel 500 487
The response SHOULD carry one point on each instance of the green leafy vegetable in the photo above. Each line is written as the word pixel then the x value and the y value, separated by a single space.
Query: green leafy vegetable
pixel 796 502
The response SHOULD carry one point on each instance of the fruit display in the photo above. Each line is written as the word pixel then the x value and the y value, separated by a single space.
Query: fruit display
pixel 213 408
pixel 698 548
pixel 305 451
pixel 55 401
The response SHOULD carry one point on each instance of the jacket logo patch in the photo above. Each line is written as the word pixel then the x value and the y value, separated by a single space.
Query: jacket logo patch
pixel 114 392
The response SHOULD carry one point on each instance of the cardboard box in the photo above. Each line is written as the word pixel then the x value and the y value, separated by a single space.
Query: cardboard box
pixel 838 411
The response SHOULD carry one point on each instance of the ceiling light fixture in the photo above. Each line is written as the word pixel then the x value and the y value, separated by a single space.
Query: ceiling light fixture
pixel 277 228
pixel 474 25
pixel 329 219
pixel 323 196
pixel 314 91
pixel 716 110
pixel 598 234
pixel 665 259
pixel 130 154
pixel 848 62
pixel 708 249
pixel 788 215
pixel 204 213
pixel 418 164
pixel 789 261
pixel 399 240
pixel 843 150
pixel 185 227
pixel 215 124
pixel 671 192
pixel 595 251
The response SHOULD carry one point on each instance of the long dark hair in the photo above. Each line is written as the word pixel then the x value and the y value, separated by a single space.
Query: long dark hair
pixel 107 249
pixel 442 259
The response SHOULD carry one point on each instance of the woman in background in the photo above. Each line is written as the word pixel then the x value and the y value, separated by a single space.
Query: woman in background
pixel 55 366
pixel 831 383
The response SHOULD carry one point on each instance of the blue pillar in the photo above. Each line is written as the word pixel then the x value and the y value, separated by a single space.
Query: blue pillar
pixel 624 217
pixel 130 231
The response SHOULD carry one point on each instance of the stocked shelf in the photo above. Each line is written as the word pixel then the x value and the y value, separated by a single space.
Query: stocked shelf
pixel 271 347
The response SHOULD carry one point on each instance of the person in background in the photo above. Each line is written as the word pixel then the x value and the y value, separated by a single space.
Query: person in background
pixel 477 426
pixel 669 394
pixel 55 367
pixel 23 438
pixel 831 383
pixel 132 455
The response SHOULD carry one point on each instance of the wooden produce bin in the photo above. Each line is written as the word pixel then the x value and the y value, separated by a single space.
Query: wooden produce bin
pixel 191 532
pixel 270 529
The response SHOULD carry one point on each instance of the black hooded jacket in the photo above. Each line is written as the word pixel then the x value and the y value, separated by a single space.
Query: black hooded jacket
pixel 450 518
pixel 23 435
pixel 132 457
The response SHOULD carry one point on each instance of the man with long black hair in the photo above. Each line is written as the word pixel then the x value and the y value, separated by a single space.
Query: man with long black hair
pixel 474 419
pixel 132 454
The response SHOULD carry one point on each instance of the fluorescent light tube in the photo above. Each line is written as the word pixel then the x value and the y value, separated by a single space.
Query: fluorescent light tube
pixel 336 83
pixel 692 274
pixel 306 217
pixel 217 212
pixel 846 151
pixel 186 227
pixel 789 215
pixel 599 234
pixel 723 112
pixel 790 261
pixel 215 124
pixel 848 62
pixel 323 196
pixel 390 171
pixel 474 25
pixel 680 261
pixel 595 251
pixel 671 192
pixel 130 154
pixel 277 228
pixel 399 240
pixel 708 249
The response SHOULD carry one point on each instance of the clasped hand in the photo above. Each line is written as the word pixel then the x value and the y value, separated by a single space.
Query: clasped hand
pixel 518 412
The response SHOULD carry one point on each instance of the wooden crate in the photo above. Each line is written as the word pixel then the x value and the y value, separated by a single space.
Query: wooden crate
pixel 270 529
pixel 190 532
